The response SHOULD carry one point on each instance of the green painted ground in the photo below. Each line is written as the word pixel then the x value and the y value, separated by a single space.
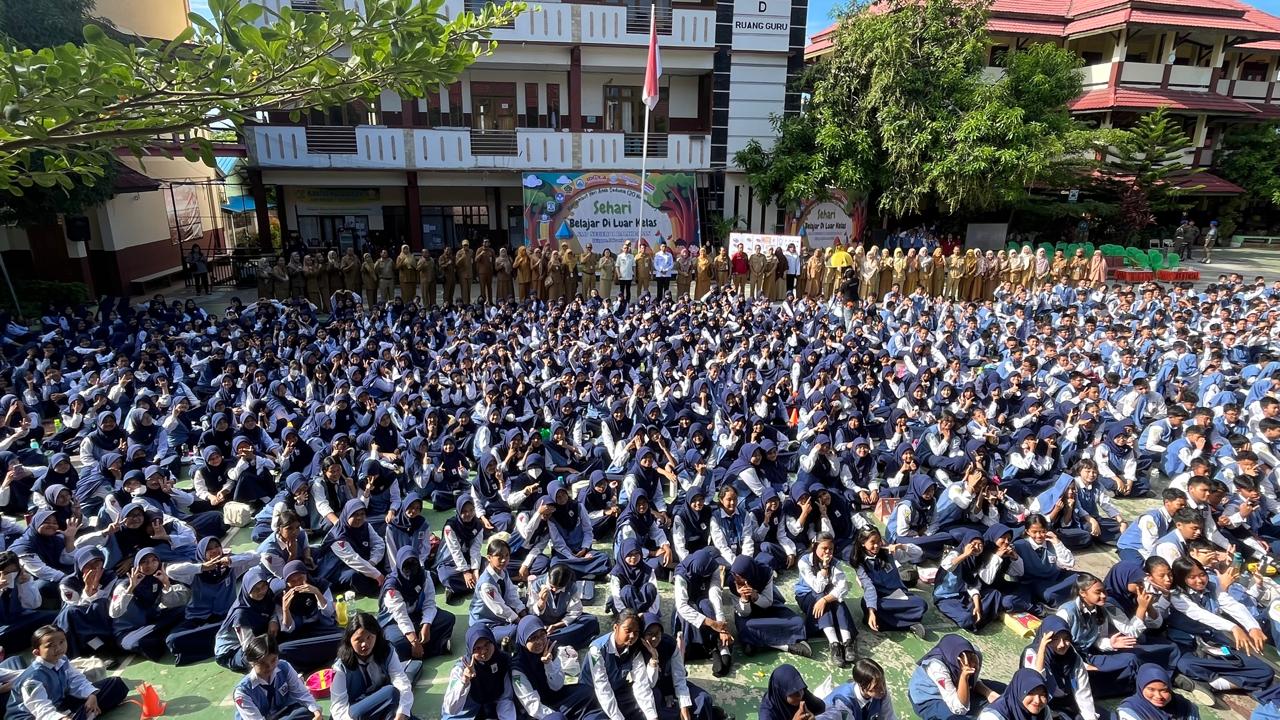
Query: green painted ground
pixel 203 692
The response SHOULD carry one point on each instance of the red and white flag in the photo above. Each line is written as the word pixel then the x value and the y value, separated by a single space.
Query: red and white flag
pixel 653 69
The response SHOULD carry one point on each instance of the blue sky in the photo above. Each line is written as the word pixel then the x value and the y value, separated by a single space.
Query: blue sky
pixel 820 11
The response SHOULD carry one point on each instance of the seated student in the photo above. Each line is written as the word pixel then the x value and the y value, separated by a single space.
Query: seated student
pixel 1124 584
pixel 556 600
pixel 272 689
pixel 213 582
pixel 1123 473
pixel 1205 614
pixel 768 531
pixel 409 528
pixel 1188 525
pixel 255 612
pixel 622 675
pixel 45 552
pixel 1070 523
pixel 496 603
pixel 370 680
pixel 480 682
pixel 286 543
pixel 677 697
pixel 866 695
pixel 730 532
pixel 1026 698
pixel 820 592
pixel 788 698
pixel 960 592
pixel 1248 520
pixel 600 498
pixel 947 682
pixel 633 584
pixel 640 523
pixel 539 681
pixel 308 619
pixel 86 603
pixel 1182 452
pixel 296 499
pixel 1155 699
pixel 51 688
pixel 1105 521
pixel 1045 563
pixel 1030 468
pixel 763 618
pixel 1138 541
pixel 352 552
pixel 886 604
pixel 700 612
pixel 146 605
pixel 691 523
pixel 912 520
pixel 458 563
pixel 20 601
pixel 414 625
pixel 1066 679
pixel 1106 638
pixel 488 490
pixel 571 535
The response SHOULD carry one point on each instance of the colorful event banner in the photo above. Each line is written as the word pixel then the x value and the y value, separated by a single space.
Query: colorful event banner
pixel 824 222
pixel 767 243
pixel 602 208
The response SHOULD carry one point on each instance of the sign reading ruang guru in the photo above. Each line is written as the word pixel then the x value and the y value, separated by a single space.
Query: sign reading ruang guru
pixel 761 25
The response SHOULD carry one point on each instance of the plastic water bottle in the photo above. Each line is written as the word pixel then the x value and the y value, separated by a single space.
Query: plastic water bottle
pixel 340 609
pixel 1237 561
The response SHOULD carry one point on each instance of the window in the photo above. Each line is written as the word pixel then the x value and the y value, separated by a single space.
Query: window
pixel 624 109
pixel 493 105
pixel 1254 71
pixel 531 115
pixel 998 55
pixel 553 106
pixel 1090 57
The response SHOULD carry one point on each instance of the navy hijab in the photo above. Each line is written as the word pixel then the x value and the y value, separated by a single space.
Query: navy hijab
pixel 1009 704
pixel 948 652
pixel 360 539
pixel 1178 707
pixel 784 681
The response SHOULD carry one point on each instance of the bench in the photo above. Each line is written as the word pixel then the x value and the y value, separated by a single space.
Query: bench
pixel 138 286
pixel 1238 240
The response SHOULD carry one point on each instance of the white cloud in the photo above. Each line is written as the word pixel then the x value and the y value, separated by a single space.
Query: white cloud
pixel 532 181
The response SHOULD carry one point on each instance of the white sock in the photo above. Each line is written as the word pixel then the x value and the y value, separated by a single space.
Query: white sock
pixel 1221 683
pixel 848 636
pixel 726 652
pixel 830 632
pixel 783 648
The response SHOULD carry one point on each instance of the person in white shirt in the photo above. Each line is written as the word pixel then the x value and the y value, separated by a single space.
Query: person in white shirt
pixel 369 680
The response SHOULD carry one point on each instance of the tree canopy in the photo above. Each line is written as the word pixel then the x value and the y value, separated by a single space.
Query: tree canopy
pixel 1251 159
pixel 904 114
pixel 43 23
pixel 67 108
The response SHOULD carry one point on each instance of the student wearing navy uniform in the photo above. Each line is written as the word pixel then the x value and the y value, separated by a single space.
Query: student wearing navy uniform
pixel 632 582
pixel 700 612
pixel 51 688
pixel 1204 614
pixel 886 603
pixel 947 683
pixel 571 535
pixel 911 521
pixel 538 679
pixel 691 523
pixel 496 603
pixel 763 618
pixel 256 612
pixel 287 542
pixel 1138 541
pixel 370 681
pixel 865 696
pixel 214 581
pixel 555 599
pixel 1066 679
pixel 146 605
pixel 677 697
pixel 352 552
pixel 961 593
pixel 308 629
pixel 1155 699
pixel 820 592
pixel 1104 637
pixel 86 602
pixel 1025 699
pixel 414 625
pixel 480 683
pixel 45 551
pixel 409 529
pixel 272 689
pixel 458 562
pixel 1044 563
pixel 622 674
pixel 788 698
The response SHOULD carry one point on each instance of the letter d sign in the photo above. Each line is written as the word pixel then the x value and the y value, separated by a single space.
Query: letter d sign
pixel 764 7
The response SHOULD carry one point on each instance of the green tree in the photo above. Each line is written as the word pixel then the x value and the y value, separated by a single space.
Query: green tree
pixel 1151 155
pixel 1251 159
pixel 794 169
pixel 43 23
pixel 74 105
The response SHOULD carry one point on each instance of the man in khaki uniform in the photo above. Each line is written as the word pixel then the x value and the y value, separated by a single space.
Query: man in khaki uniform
pixel 757 262
pixel 484 271
pixel 386 271
pixel 427 278
pixel 369 280
pixel 588 261
pixel 462 268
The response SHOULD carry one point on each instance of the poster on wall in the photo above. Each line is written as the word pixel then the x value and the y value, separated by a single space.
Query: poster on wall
pixel 824 222
pixel 182 207
pixel 602 208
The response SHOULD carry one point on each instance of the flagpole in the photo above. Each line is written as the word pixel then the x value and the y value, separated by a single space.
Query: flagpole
pixel 644 149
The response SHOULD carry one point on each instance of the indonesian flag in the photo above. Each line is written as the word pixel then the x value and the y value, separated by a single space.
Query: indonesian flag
pixel 653 69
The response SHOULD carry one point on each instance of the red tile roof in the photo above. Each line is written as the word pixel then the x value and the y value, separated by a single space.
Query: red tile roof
pixel 1233 23
pixel 1123 98
pixel 1209 184
pixel 1003 26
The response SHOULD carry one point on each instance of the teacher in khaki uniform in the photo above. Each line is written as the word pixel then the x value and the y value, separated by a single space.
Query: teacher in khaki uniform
pixel 588 261
pixel 484 271
pixel 463 270
pixel 757 265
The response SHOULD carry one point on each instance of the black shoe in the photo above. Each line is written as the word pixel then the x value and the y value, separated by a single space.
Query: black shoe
pixel 800 649
pixel 451 597
pixel 837 654
pixel 918 629
pixel 748 650
pixel 717 664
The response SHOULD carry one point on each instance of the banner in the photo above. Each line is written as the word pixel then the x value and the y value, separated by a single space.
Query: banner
pixel 602 208
pixel 824 222
pixel 749 241
pixel 182 206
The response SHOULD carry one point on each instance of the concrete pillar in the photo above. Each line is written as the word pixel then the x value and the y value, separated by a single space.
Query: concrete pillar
pixel 260 209
pixel 414 205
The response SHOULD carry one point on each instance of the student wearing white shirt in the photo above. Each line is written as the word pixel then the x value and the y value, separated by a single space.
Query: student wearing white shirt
pixel 369 680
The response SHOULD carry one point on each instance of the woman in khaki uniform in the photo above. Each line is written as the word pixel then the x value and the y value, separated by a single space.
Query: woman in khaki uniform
pixel 336 281
pixel 813 271
pixel 897 270
pixel 955 271
pixel 938 275
pixel 426 278
pixel 685 263
pixel 538 274
pixel 407 274
pixel 463 271
pixel 767 275
pixel 262 274
pixel 1059 270
pixel 368 280
pixel 311 276
pixel 1079 268
pixel 569 260
pixel 555 277
pixel 502 270
pixel 607 269
pixel 350 270
pixel 870 271
pixel 704 271
pixel 722 268
pixel 523 268
pixel 926 272
pixel 913 273
pixel 445 275
pixel 297 277
pixel 644 269
pixel 280 280
pixel 991 277
pixel 829 273
pixel 1028 267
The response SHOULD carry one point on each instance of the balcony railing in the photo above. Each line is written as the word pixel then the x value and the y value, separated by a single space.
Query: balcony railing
pixel 638 19
pixel 493 142
pixel 477 6
pixel 331 140
pixel 633 145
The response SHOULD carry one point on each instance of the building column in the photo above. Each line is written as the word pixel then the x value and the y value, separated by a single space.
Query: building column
pixel 260 210
pixel 575 89
pixel 414 205
pixel 1121 48
pixel 282 213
